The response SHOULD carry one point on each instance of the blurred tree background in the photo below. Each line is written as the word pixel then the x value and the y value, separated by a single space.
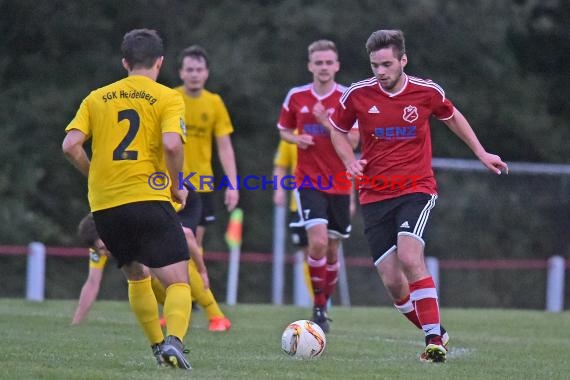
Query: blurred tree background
pixel 501 62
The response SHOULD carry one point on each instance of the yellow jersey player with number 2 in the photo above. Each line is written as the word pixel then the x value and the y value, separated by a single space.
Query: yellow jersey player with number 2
pixel 137 129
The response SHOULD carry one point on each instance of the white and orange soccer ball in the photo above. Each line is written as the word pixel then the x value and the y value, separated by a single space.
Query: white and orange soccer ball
pixel 303 339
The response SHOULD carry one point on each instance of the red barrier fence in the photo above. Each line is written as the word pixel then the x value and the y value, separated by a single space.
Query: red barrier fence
pixel 258 257
pixel 555 267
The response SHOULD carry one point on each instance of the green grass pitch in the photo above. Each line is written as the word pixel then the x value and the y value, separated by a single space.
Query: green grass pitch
pixel 364 343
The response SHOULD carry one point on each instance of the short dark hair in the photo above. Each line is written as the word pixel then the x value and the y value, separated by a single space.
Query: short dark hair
pixel 382 39
pixel 142 47
pixel 87 232
pixel 196 52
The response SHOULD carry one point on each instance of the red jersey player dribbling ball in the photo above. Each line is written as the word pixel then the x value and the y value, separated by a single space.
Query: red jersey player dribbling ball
pixel 395 134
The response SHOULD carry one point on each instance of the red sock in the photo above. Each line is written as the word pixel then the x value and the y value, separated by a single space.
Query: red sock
pixel 331 279
pixel 318 272
pixel 406 307
pixel 424 299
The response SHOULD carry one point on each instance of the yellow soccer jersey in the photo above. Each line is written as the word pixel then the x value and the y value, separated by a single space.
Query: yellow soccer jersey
pixel 177 206
pixel 206 118
pixel 126 120
pixel 286 157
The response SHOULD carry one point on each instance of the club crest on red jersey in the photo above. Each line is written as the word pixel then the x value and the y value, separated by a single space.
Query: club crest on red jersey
pixel 410 114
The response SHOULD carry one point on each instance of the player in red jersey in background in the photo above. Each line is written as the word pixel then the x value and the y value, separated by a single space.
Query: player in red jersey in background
pixel 323 208
pixel 393 111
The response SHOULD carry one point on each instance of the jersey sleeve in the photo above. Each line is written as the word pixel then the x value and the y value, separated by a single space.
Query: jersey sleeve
pixel 287 117
pixel 223 124
pixel 173 115
pixel 81 119
pixel 442 107
pixel 97 260
pixel 344 116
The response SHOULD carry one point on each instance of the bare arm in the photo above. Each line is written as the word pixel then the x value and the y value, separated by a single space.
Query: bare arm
pixel 353 200
pixel 88 295
pixel 354 137
pixel 228 161
pixel 460 126
pixel 174 157
pixel 201 268
pixel 302 141
pixel 341 143
pixel 196 256
pixel 72 147
pixel 322 116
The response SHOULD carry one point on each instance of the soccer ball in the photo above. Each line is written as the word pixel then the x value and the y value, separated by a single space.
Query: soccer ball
pixel 303 339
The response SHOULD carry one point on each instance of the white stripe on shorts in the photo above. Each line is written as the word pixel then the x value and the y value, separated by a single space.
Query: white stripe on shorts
pixel 423 243
pixel 424 215
pixel 390 250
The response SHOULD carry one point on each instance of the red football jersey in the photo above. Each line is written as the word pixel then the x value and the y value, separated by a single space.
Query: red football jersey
pixel 395 135
pixel 319 163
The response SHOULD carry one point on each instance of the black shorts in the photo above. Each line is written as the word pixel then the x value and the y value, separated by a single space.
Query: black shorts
pixel 317 207
pixel 298 234
pixel 385 220
pixel 199 210
pixel 192 212
pixel 208 216
pixel 148 232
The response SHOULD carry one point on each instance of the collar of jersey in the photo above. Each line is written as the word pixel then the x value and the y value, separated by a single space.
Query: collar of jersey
pixel 325 95
pixel 390 94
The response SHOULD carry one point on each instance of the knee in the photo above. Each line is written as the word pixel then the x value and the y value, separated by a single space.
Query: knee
pixel 413 265
pixel 135 271
pixel 332 250
pixel 394 282
pixel 318 246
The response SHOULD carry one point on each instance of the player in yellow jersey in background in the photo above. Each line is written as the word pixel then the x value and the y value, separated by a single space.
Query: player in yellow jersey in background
pixel 206 119
pixel 137 130
pixel 98 258
pixel 284 163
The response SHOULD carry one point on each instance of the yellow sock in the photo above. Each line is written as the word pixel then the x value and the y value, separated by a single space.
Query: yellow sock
pixel 203 297
pixel 143 303
pixel 192 273
pixel 212 308
pixel 158 289
pixel 177 309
